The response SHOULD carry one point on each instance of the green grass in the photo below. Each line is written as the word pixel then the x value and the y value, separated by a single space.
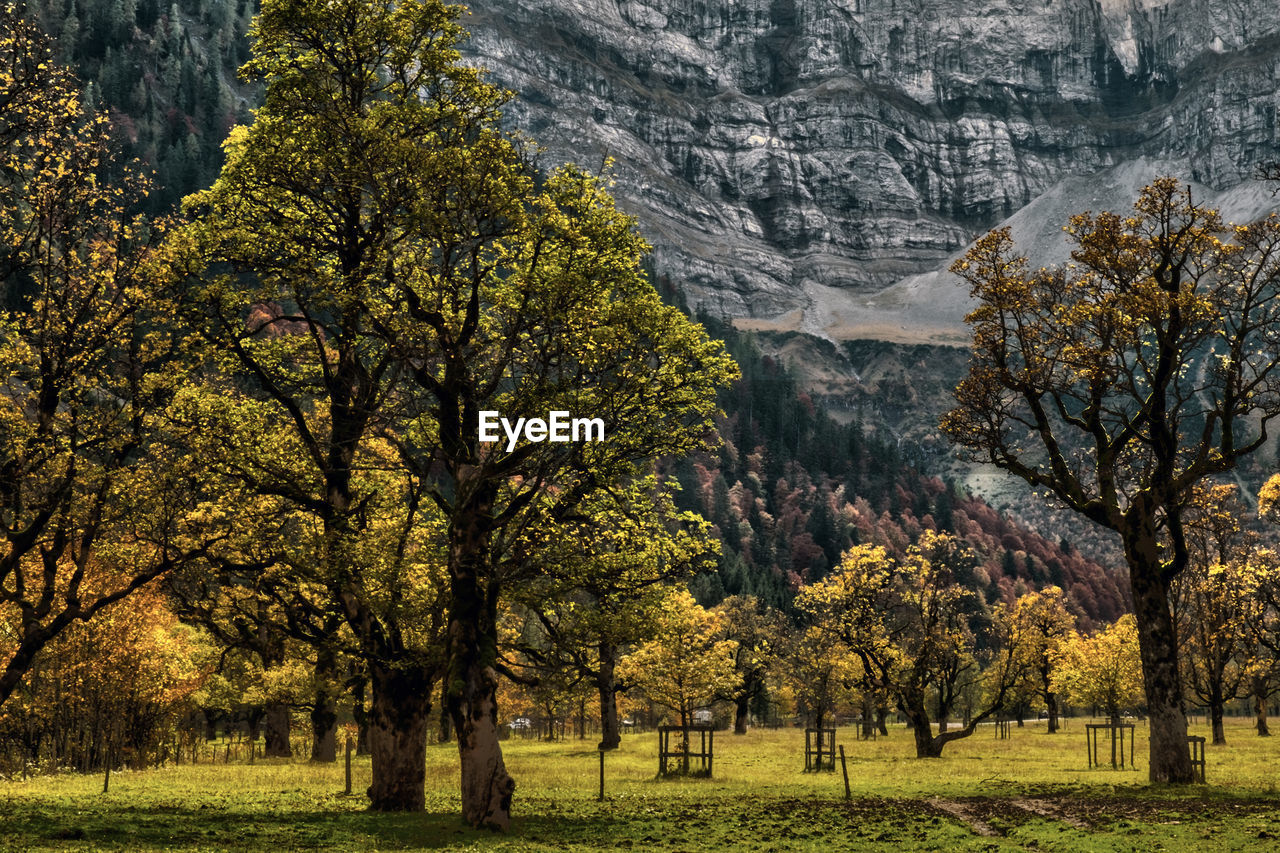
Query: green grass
pixel 1032 791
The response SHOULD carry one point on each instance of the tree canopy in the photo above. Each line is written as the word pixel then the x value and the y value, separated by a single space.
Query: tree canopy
pixel 1121 381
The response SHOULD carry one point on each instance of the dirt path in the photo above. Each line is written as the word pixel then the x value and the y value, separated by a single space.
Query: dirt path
pixel 1047 809
pixel 961 813
pixel 972 812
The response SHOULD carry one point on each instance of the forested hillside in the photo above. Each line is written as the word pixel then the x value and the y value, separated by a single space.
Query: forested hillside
pixel 792 488
pixel 166 75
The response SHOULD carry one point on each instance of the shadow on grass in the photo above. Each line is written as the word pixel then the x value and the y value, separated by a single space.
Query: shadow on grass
pixel 84 824
pixel 91 823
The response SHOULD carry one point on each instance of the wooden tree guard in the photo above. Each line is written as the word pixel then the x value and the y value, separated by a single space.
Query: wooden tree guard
pixel 819 750
pixel 1197 755
pixel 1117 731
pixel 1002 728
pixel 681 759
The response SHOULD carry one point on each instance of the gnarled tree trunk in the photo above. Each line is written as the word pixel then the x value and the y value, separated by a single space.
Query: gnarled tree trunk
pixel 487 788
pixel 486 785
pixel 741 713
pixel 398 737
pixel 1260 708
pixel 1051 706
pixel 927 746
pixel 607 686
pixel 324 711
pixel 324 728
pixel 1169 758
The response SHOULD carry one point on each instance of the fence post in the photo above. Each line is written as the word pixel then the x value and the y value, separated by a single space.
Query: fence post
pixel 601 797
pixel 844 768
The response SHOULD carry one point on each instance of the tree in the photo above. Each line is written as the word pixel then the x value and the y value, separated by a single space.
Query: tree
pixel 818 668
pixel 413 270
pixel 1261 616
pixel 563 320
pixel 1042 623
pixel 94 494
pixel 108 691
pixel 1120 382
pixel 1102 670
pixel 315 200
pixel 921 637
pixel 1212 598
pixel 758 631
pixel 603 582
pixel 687 664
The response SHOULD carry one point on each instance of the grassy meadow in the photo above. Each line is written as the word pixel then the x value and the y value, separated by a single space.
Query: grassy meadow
pixel 1032 791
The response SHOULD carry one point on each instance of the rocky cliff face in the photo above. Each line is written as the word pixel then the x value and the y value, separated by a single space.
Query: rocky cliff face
pixel 807 164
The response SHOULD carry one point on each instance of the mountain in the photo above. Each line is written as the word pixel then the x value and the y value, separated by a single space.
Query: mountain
pixel 814 165
pixel 797 175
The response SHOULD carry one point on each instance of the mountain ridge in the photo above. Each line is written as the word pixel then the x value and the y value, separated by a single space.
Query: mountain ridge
pixel 810 155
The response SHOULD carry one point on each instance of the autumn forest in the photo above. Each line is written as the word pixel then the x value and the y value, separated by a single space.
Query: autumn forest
pixel 266 271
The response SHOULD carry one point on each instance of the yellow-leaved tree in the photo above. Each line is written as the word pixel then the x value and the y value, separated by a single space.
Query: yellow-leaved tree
pixel 1042 624
pixel 95 496
pixel 1213 599
pixel 380 259
pixel 1119 382
pixel 687 664
pixel 1102 670
pixel 921 637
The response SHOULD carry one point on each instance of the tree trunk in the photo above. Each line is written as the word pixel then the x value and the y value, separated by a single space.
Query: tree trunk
pixel 275 731
pixel 867 720
pixel 1260 713
pixel 741 714
pixel 882 716
pixel 927 746
pixel 1051 705
pixel 610 731
pixel 324 728
pixel 1216 703
pixel 324 713
pixel 1169 758
pixel 487 788
pixel 446 725
pixel 398 737
pixel 211 723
